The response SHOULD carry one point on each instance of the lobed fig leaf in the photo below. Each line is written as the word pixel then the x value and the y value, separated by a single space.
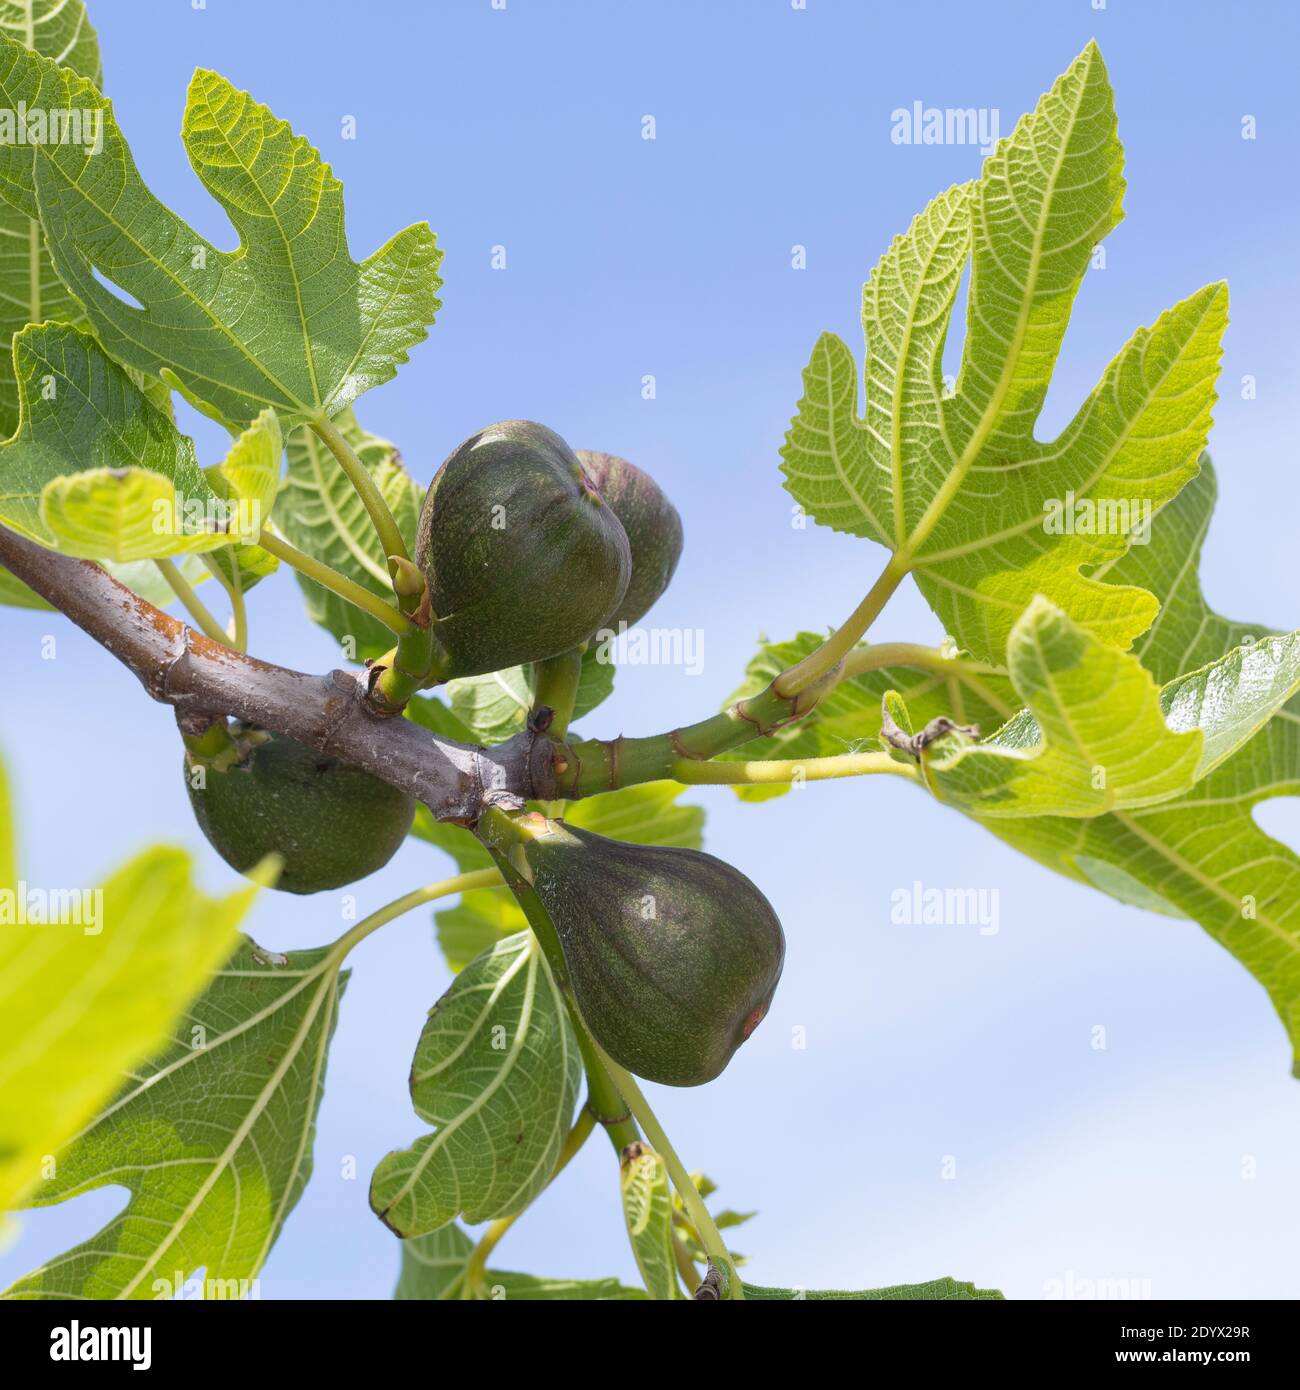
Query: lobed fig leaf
pixel 954 481
pixel 287 319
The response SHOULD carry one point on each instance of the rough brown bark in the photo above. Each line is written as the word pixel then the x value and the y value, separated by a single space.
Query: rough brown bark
pixel 202 679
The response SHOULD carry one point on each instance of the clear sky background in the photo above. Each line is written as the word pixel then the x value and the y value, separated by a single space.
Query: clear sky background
pixel 522 127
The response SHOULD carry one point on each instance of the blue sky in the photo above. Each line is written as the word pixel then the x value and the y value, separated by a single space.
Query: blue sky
pixel 521 127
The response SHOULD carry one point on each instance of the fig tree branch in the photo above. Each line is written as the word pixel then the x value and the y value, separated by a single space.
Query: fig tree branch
pixel 191 602
pixel 588 766
pixel 204 680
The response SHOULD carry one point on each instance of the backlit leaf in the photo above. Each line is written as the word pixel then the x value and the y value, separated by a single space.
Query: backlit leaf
pixel 496 1071
pixel 212 1137
pixel 287 320
pixel 956 484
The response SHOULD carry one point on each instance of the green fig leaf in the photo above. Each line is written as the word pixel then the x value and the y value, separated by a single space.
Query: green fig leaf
pixel 497 1071
pixel 1093 736
pixel 648 814
pixel 1098 735
pixel 1200 854
pixel 30 289
pixel 495 706
pixel 648 1215
pixel 433 1267
pixel 320 512
pixel 288 320
pixel 90 984
pixel 936 1291
pixel 135 513
pixel 212 1138
pixel 96 471
pixel 955 484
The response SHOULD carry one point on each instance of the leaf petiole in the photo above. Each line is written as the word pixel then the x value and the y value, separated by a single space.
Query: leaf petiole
pixel 822 662
pixel 192 603
pixel 444 888
pixel 386 528
pixel 709 1235
pixel 763 772
pixel 331 579
pixel 235 593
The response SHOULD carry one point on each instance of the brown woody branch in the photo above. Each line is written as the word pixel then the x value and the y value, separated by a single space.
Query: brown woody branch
pixel 202 680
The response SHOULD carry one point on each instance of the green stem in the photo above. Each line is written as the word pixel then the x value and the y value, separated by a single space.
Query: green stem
pixel 213 744
pixel 603 1099
pixel 390 537
pixel 763 772
pixel 337 583
pixel 709 1235
pixel 405 670
pixel 686 1270
pixel 598 765
pixel 912 654
pixel 821 662
pixel 557 688
pixel 461 883
pixel 235 593
pixel 194 605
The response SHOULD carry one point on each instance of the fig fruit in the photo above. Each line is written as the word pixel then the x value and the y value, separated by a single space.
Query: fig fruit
pixel 653 526
pixel 524 559
pixel 672 955
pixel 329 822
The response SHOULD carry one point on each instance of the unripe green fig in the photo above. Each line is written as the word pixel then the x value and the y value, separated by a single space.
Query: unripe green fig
pixel 329 822
pixel 524 559
pixel 653 526
pixel 672 955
